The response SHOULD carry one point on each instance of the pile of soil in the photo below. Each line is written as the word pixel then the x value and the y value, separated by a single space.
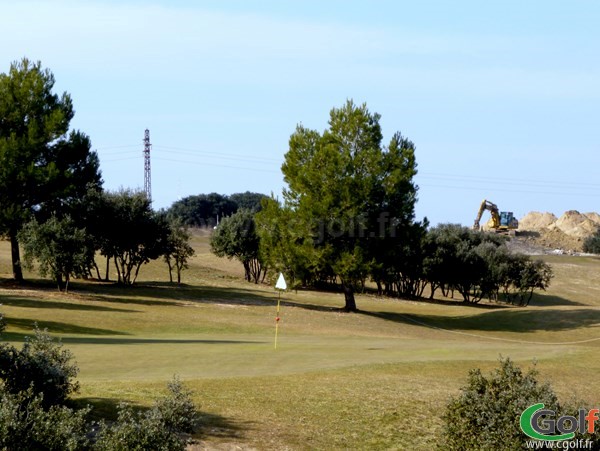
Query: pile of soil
pixel 536 221
pixel 566 233
pixel 594 217
pixel 575 224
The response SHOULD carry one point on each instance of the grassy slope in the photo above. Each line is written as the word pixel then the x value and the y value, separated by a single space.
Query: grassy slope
pixel 379 379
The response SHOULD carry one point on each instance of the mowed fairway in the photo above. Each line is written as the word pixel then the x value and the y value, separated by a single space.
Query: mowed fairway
pixel 374 380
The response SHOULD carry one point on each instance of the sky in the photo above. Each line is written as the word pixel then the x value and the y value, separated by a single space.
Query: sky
pixel 501 98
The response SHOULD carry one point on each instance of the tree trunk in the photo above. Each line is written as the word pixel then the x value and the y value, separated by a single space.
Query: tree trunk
pixel 168 260
pixel 118 271
pixel 106 278
pixel 137 271
pixel 16 257
pixel 97 271
pixel 349 297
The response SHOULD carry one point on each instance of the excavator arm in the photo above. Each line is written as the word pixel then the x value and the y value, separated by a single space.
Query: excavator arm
pixel 493 209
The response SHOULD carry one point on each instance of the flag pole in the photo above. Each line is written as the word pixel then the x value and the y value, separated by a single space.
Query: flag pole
pixel 279 286
pixel 277 318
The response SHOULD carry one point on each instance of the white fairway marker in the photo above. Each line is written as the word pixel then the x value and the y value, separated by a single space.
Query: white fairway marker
pixel 280 286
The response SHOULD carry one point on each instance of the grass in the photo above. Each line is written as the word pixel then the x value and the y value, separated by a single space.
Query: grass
pixel 375 380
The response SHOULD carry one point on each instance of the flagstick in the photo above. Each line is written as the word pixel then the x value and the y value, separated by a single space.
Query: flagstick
pixel 279 286
pixel 277 318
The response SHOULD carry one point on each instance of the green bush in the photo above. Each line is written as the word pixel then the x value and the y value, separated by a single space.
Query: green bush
pixel 25 424
pixel 159 428
pixel 136 431
pixel 177 409
pixel 41 365
pixel 2 323
pixel 591 244
pixel 486 414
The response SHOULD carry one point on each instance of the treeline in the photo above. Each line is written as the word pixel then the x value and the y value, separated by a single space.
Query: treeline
pixel 347 218
pixel 202 210
pixel 448 259
pixel 120 226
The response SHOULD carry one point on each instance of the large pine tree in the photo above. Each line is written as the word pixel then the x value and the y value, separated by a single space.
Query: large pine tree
pixel 42 164
pixel 350 197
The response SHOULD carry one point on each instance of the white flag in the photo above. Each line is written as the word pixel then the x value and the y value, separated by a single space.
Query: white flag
pixel 281 285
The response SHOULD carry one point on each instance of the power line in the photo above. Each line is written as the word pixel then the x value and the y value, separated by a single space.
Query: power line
pixel 214 165
pixel 506 180
pixel 121 159
pixel 506 190
pixel 217 154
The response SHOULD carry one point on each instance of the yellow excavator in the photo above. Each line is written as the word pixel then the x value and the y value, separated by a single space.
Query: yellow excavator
pixel 501 221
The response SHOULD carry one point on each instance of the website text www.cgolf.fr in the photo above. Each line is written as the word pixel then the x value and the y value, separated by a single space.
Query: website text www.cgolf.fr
pixel 549 432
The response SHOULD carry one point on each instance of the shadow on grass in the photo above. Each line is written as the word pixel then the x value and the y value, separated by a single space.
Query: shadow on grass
pixel 55 328
pixel 538 300
pixel 40 304
pixel 547 300
pixel 507 320
pixel 142 341
pixel 173 294
pixel 217 426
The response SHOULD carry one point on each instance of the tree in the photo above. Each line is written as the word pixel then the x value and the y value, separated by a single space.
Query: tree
pixel 478 265
pixel 281 244
pixel 134 235
pixel 236 237
pixel 89 211
pixel 456 258
pixel 535 274
pixel 60 248
pixel 178 249
pixel 202 210
pixel 349 195
pixel 41 163
pixel 248 200
pixel 591 244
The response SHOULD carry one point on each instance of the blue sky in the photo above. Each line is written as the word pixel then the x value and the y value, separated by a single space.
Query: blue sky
pixel 500 98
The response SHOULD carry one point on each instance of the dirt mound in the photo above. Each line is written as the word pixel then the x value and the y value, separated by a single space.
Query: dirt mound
pixel 557 239
pixel 594 217
pixel 537 221
pixel 575 224
pixel 567 232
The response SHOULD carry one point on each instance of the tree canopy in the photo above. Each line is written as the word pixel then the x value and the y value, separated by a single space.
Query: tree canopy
pixel 60 248
pixel 236 237
pixel 42 164
pixel 134 235
pixel 348 195
pixel 202 210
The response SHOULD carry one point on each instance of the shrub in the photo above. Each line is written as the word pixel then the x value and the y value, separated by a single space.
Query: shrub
pixel 591 244
pixel 2 323
pixel 41 364
pixel 177 409
pixel 25 424
pixel 158 428
pixel 136 431
pixel 486 414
